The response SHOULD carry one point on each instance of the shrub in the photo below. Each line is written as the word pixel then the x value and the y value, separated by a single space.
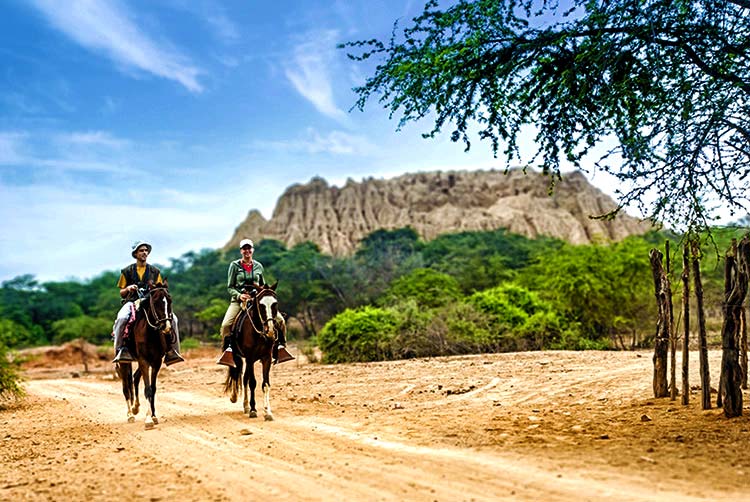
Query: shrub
pixel 362 334
pixel 10 378
pixel 96 330
pixel 429 288
pixel 189 343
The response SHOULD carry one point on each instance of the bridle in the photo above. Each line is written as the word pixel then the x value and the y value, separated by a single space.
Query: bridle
pixel 154 320
pixel 267 326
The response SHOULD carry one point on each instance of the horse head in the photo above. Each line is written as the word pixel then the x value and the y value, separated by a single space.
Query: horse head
pixel 267 307
pixel 159 306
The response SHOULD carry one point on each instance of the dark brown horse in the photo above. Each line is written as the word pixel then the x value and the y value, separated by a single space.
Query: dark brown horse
pixel 254 334
pixel 148 344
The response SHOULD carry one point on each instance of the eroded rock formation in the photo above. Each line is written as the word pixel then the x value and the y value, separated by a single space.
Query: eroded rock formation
pixel 435 203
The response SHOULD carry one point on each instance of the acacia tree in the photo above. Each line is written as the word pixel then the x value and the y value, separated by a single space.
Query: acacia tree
pixel 667 82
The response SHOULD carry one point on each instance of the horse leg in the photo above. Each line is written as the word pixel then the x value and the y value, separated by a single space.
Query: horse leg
pixel 245 383
pixel 267 415
pixel 136 385
pixel 125 372
pixel 252 383
pixel 151 419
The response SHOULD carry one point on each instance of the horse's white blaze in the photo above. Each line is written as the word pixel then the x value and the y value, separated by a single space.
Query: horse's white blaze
pixel 266 303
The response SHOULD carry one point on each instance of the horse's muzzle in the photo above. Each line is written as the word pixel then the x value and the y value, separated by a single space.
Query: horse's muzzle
pixel 269 330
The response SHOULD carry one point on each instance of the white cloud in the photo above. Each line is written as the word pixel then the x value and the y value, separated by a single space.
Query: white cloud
pixel 94 138
pixel 106 26
pixel 310 75
pixel 335 143
pixel 91 230
pixel 74 152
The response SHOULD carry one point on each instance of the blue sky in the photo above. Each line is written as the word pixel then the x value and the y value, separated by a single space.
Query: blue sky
pixel 168 120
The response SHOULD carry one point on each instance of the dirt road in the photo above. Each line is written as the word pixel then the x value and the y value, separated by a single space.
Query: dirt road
pixel 553 426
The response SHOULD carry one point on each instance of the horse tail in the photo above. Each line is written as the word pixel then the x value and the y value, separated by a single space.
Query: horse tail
pixel 232 383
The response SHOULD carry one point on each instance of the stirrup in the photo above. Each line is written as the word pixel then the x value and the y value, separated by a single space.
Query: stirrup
pixel 227 358
pixel 172 357
pixel 123 356
pixel 283 356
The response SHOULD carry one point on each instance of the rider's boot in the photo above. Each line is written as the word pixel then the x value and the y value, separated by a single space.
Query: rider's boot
pixel 172 356
pixel 227 357
pixel 280 354
pixel 123 356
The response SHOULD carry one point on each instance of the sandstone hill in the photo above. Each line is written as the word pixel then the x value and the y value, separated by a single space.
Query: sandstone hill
pixel 435 203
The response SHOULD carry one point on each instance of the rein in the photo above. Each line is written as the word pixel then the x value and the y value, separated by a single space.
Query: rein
pixel 257 310
pixel 154 324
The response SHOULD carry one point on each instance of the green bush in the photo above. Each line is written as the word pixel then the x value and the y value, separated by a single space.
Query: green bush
pixel 464 329
pixel 10 378
pixel 189 343
pixel 96 330
pixel 429 288
pixel 362 334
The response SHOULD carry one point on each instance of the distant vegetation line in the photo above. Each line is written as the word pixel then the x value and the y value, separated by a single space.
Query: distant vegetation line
pixel 398 296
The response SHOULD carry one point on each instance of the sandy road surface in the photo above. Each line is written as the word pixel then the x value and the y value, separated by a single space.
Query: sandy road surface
pixel 528 426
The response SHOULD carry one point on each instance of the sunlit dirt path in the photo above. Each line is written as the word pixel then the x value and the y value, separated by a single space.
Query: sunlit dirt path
pixel 553 426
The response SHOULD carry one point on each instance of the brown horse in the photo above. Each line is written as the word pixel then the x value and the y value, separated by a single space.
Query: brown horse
pixel 148 344
pixel 253 336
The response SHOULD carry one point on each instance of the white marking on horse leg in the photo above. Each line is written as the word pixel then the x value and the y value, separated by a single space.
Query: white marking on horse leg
pixel 149 422
pixel 267 403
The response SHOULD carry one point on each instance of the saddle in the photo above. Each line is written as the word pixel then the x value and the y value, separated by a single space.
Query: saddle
pixel 236 329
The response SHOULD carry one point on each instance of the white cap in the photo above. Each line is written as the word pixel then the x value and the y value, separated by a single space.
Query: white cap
pixel 246 242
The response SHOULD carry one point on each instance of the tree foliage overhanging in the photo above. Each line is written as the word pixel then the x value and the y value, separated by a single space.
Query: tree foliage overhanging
pixel 667 82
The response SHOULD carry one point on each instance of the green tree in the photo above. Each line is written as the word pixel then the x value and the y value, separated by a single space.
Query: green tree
pixel 304 292
pixel 427 287
pixel 481 260
pixel 383 256
pixel 665 82
pixel 196 280
pixel 608 290
pixel 95 330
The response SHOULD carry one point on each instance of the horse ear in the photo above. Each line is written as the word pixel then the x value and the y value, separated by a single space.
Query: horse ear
pixel 273 286
pixel 262 281
pixel 165 284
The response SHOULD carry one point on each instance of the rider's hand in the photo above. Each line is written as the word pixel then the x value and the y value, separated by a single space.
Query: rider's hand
pixel 133 287
pixel 244 297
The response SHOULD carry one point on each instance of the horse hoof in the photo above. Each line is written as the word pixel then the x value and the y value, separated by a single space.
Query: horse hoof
pixel 149 426
pixel 131 420
pixel 268 418
pixel 252 414
pixel 233 398
pixel 156 420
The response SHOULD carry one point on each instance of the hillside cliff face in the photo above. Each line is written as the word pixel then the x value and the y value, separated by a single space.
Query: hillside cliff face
pixel 435 203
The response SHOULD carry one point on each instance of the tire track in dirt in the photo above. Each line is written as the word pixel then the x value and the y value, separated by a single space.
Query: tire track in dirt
pixel 313 458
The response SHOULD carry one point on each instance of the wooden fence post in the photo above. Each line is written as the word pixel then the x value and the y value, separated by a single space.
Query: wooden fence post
pixel 663 328
pixel 686 317
pixel 735 288
pixel 702 342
